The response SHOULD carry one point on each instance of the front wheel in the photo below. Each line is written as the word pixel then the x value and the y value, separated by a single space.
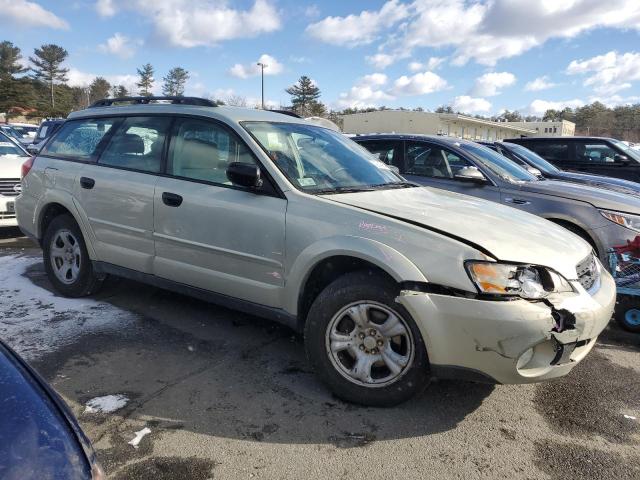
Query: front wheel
pixel 66 260
pixel 628 313
pixel 364 345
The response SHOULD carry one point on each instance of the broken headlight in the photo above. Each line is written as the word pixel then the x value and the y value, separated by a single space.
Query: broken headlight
pixel 623 219
pixel 526 281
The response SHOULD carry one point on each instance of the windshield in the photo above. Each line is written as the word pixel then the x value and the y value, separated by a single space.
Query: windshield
pixel 319 160
pixel 7 147
pixel 498 164
pixel 533 158
pixel 628 151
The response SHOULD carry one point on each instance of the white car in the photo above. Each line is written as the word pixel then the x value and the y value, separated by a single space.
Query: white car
pixel 12 156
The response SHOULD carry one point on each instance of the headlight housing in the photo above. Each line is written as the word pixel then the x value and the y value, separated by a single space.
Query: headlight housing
pixel 513 280
pixel 626 220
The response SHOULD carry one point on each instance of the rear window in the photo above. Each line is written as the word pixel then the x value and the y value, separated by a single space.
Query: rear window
pixel 79 139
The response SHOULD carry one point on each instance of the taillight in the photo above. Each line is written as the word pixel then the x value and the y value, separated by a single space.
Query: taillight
pixel 26 167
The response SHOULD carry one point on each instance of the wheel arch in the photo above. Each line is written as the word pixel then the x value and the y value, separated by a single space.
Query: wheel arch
pixel 577 228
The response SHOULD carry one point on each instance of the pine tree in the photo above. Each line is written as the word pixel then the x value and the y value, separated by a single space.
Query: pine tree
pixel 119 91
pixel 99 89
pixel 47 63
pixel 10 60
pixel 304 96
pixel 146 80
pixel 175 81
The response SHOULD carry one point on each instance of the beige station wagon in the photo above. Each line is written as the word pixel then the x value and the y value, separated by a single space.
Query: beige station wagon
pixel 391 283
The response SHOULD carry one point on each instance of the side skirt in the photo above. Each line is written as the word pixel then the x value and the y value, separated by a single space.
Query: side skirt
pixel 270 313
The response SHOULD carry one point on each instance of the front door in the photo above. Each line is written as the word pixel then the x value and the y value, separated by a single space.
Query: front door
pixel 603 158
pixel 430 164
pixel 209 233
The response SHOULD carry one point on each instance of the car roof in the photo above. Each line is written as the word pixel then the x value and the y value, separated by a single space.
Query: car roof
pixel 537 139
pixel 232 114
pixel 441 139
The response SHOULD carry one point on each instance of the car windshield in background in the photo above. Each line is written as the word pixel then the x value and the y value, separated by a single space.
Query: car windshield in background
pixel 535 159
pixel 9 148
pixel 628 151
pixel 319 160
pixel 498 164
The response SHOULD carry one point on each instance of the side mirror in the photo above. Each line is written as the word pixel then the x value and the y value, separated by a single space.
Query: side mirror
pixel 619 158
pixel 32 149
pixel 470 174
pixel 244 175
pixel 534 171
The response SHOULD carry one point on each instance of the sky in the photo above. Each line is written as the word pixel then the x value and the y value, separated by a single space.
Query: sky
pixel 479 56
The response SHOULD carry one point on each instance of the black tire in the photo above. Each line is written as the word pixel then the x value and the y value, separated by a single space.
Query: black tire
pixel 357 287
pixel 87 281
pixel 628 313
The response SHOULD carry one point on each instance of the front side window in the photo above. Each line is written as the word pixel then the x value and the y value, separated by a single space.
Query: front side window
pixel 430 160
pixel 137 144
pixel 594 152
pixel 202 150
pixel 79 138
pixel 319 160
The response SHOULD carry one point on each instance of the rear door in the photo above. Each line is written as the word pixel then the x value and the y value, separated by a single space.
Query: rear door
pixel 117 192
pixel 436 166
pixel 209 233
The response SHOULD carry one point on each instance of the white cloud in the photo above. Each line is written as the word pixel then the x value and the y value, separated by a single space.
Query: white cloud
pixel 105 8
pixel 609 73
pixel 490 84
pixel 467 104
pixel 29 14
pixel 538 107
pixel 120 46
pixel 79 78
pixel 616 100
pixel 366 92
pixel 252 69
pixel 489 30
pixel 419 84
pixel 194 23
pixel 360 29
pixel 540 83
pixel 432 64
pixel 381 60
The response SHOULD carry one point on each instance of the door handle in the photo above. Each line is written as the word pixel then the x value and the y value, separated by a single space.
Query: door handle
pixel 86 182
pixel 516 201
pixel 171 199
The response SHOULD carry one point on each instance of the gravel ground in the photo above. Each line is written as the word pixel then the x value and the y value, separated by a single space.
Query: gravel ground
pixel 227 395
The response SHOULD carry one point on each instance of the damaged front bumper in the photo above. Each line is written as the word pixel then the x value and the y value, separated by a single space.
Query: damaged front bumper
pixel 517 341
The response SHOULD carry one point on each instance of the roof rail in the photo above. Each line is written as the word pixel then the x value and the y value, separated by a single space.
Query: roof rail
pixel 108 102
pixel 286 112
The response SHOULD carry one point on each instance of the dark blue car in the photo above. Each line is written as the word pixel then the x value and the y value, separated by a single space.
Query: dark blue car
pixel 39 437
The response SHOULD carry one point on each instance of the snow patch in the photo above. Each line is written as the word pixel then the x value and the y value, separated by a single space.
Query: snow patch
pixel 106 404
pixel 139 436
pixel 35 321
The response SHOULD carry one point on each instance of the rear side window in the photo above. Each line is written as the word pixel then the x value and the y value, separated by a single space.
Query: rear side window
pixel 382 150
pixel 556 152
pixel 137 144
pixel 79 139
pixel 202 150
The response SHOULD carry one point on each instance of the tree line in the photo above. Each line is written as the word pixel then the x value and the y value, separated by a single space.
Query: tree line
pixel 42 90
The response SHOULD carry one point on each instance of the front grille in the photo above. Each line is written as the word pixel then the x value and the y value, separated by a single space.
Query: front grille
pixel 10 187
pixel 588 272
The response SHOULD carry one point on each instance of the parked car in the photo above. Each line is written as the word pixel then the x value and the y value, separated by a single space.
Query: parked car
pixel 266 213
pixel 597 155
pixel 534 163
pixel 39 437
pixel 12 156
pixel 602 217
pixel 46 129
pixel 22 132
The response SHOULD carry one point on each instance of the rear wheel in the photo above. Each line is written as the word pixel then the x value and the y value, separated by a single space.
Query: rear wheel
pixel 66 260
pixel 628 313
pixel 364 345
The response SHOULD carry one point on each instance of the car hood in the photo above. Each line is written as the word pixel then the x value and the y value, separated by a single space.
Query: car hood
pixel 507 233
pixel 615 184
pixel 598 197
pixel 10 165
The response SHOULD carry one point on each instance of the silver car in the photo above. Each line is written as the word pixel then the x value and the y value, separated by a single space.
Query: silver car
pixel 390 283
pixel 603 217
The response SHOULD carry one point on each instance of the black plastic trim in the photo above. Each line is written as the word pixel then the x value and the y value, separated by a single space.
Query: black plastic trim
pixel 271 313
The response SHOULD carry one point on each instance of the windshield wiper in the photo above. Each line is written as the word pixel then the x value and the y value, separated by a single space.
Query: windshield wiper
pixel 342 190
pixel 397 185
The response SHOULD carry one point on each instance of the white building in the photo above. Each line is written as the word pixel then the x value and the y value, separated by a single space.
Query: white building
pixel 563 128
pixel 451 124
